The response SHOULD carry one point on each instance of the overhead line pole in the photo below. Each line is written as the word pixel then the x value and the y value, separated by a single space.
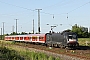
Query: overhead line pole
pixel 33 26
pixel 1 33
pixel 39 20
pixel 16 25
pixel 3 30
pixel 12 28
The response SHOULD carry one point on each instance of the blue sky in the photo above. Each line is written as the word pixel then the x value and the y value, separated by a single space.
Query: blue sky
pixel 24 10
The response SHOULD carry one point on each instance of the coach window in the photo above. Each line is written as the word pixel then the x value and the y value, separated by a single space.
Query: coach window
pixel 9 37
pixel 33 37
pixel 24 38
pixel 36 38
pixel 12 37
pixel 41 38
pixel 21 38
pixel 27 38
pixel 16 38
pixel 6 37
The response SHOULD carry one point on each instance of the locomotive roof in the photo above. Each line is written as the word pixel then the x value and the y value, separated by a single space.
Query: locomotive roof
pixel 69 33
pixel 29 35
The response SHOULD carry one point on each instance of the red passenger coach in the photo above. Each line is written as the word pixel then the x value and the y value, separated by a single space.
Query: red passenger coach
pixel 39 38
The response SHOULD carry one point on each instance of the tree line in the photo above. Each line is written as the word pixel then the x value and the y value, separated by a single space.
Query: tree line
pixel 81 31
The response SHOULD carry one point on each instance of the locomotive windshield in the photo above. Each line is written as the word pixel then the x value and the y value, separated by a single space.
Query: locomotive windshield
pixel 72 36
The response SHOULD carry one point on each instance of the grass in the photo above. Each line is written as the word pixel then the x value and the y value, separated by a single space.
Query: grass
pixel 7 54
pixel 82 41
pixel 12 52
pixel 20 53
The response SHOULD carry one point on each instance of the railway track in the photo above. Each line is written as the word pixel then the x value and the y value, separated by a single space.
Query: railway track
pixel 82 52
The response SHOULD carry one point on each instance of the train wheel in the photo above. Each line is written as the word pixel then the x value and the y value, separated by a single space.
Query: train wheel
pixel 59 45
pixel 62 46
pixel 42 44
pixel 77 44
pixel 52 45
pixel 67 48
pixel 48 45
pixel 56 45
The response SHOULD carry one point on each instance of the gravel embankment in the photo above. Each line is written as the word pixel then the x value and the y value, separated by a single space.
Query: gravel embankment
pixel 62 56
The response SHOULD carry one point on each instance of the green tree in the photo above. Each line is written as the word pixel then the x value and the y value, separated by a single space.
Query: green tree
pixel 81 32
pixel 22 33
pixel 89 34
pixel 13 33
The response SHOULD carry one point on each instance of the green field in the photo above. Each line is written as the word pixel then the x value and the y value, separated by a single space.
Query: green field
pixel 82 41
pixel 8 51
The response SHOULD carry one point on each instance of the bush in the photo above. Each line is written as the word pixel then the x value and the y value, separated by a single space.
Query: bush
pixel 9 54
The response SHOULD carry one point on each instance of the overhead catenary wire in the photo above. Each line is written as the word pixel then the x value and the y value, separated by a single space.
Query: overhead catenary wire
pixel 71 10
pixel 16 6
pixel 54 4
pixel 45 12
pixel 67 16
pixel 78 7
pixel 25 8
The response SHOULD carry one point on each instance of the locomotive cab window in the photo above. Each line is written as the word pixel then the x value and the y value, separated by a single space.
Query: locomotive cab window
pixel 48 37
pixel 72 36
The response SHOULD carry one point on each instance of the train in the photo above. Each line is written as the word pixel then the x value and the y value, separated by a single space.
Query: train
pixel 63 40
